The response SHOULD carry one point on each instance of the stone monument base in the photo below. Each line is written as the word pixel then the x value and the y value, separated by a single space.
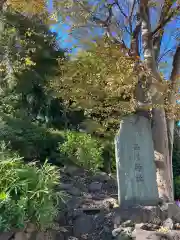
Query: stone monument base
pixel 147 222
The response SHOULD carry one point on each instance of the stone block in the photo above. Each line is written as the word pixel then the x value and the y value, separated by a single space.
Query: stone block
pixel 136 172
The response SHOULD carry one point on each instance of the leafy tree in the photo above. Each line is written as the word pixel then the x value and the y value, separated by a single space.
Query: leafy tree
pixel 104 94
pixel 129 21
pixel 30 58
pixel 32 55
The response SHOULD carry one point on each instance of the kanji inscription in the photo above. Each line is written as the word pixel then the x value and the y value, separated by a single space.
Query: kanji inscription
pixel 138 168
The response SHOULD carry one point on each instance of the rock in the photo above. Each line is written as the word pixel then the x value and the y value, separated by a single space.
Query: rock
pixel 95 186
pixel 72 170
pixel 138 214
pixel 106 229
pixel 73 203
pixel 101 177
pixel 117 231
pixel 177 226
pixel 74 191
pixel 62 218
pixel 112 202
pixel 140 234
pixel 127 223
pixel 82 225
pixel 6 235
pixel 77 212
pixel 127 231
pixel 123 233
pixel 122 237
pixel 174 211
pixel 116 219
pixel 99 219
pixel 30 228
pixel 20 236
pixel 65 186
pixel 60 236
pixel 168 223
pixel 150 227
pixel 144 235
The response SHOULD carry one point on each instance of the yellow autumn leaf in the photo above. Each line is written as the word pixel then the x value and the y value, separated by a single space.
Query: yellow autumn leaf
pixel 3 196
pixel 29 62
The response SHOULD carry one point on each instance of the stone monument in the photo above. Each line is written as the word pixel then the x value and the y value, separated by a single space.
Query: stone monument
pixel 136 172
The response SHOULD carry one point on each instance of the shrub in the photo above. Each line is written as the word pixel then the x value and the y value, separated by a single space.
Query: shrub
pixel 176 163
pixel 177 187
pixel 83 150
pixel 30 140
pixel 27 193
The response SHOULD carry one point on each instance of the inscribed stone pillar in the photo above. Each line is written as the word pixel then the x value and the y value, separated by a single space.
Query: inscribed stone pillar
pixel 136 172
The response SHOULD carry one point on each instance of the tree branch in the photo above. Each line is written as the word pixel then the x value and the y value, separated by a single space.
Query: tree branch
pixel 130 17
pixel 134 49
pixel 166 20
pixel 175 74
pixel 121 10
pixel 157 34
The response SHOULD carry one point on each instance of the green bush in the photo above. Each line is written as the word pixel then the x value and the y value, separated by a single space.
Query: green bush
pixel 30 140
pixel 177 187
pixel 83 150
pixel 27 193
pixel 176 163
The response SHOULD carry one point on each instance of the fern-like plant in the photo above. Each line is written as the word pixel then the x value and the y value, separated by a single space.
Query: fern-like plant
pixel 27 193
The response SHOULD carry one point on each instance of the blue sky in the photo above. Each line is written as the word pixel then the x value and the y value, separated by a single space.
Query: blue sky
pixel 68 42
pixel 168 42
pixel 62 30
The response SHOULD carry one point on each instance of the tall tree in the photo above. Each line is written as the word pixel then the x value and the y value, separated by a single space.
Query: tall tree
pixel 130 26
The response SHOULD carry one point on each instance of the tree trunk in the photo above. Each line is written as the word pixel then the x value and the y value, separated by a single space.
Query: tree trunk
pixel 175 84
pixel 161 148
pixel 159 129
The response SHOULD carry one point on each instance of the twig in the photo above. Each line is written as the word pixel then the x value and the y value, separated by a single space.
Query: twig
pixel 166 20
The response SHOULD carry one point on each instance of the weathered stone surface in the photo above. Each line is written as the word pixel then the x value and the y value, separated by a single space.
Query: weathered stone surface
pixel 95 186
pixel 65 186
pixel 123 233
pixel 74 191
pixel 82 225
pixel 72 170
pixel 140 234
pixel 72 238
pixel 150 227
pixel 127 223
pixel 145 235
pixel 138 214
pixel 173 211
pixel 168 223
pixel 6 235
pixel 20 236
pixel 117 231
pixel 101 176
pixel 136 171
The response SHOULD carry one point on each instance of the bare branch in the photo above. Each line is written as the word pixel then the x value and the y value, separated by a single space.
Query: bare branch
pixel 131 14
pixel 121 10
pixel 163 55
pixel 159 31
pixel 134 49
pixel 166 20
